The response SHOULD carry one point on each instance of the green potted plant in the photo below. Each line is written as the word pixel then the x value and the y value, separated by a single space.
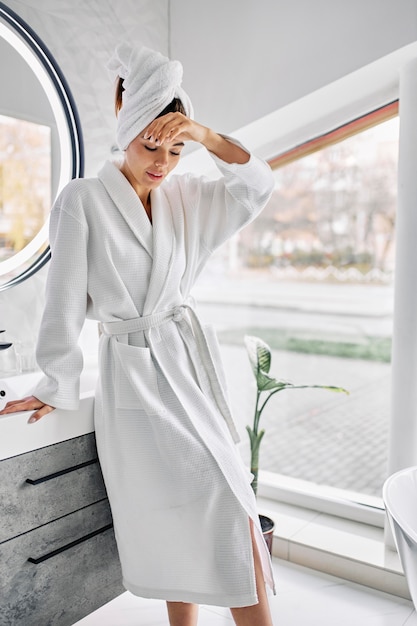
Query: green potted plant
pixel 266 386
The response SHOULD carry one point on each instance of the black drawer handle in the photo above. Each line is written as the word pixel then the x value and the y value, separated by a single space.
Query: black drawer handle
pixel 45 557
pixel 37 481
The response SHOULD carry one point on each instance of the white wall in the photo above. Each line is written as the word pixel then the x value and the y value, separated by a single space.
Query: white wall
pixel 242 59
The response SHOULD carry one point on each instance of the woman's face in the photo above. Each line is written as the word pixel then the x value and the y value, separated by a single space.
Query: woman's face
pixel 147 164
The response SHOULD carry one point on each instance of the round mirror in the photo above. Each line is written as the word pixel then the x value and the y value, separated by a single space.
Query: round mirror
pixel 40 146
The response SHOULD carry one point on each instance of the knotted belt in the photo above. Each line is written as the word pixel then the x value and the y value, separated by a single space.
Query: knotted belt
pixel 203 357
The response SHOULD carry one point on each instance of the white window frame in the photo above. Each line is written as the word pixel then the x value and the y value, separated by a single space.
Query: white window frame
pixel 384 81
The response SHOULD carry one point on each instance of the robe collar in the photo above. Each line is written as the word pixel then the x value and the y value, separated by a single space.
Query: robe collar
pixel 156 238
pixel 127 201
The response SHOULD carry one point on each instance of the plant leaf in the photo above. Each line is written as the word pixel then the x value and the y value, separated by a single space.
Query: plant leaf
pixel 330 388
pixel 266 383
pixel 259 354
pixel 260 359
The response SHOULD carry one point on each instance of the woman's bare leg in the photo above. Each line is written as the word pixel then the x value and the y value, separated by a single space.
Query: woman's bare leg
pixel 182 613
pixel 258 614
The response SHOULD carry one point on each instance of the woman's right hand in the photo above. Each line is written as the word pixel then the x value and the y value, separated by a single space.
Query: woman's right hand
pixel 30 403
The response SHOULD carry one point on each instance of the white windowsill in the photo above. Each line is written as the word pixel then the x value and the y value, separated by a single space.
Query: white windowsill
pixel 348 549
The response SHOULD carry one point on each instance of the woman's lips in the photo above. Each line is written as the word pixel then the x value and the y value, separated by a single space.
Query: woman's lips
pixel 155 176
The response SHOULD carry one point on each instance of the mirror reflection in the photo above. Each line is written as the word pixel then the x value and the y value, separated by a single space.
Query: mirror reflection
pixel 25 182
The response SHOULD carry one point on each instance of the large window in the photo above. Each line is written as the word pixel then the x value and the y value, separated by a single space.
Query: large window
pixel 313 277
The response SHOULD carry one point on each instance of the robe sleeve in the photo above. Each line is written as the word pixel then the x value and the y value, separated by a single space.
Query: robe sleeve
pixel 58 353
pixel 218 209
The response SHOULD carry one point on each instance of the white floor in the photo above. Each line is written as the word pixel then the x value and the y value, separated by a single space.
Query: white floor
pixel 304 598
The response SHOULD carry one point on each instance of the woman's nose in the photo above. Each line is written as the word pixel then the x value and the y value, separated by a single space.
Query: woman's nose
pixel 161 159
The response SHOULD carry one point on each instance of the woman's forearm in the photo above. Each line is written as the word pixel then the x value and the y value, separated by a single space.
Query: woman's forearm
pixel 224 149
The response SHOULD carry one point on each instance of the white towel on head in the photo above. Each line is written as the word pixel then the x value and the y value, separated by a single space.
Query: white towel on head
pixel 150 82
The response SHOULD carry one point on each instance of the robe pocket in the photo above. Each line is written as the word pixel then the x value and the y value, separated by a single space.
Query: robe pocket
pixel 136 380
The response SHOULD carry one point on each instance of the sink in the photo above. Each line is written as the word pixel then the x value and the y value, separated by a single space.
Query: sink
pixel 15 387
pixel 21 385
pixel 18 437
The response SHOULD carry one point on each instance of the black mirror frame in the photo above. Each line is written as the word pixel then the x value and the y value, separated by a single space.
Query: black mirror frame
pixel 47 60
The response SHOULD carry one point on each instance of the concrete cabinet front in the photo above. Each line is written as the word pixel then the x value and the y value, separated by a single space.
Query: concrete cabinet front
pixel 58 556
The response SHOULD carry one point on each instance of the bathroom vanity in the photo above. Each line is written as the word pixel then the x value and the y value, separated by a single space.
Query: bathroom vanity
pixel 58 556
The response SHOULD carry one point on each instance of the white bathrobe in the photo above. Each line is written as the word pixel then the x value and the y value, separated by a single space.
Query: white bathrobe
pixel 179 491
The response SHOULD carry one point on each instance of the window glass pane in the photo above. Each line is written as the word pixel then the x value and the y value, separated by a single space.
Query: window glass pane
pixel 312 276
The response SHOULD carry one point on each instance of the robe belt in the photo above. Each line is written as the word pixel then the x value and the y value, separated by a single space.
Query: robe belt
pixel 146 322
pixel 178 314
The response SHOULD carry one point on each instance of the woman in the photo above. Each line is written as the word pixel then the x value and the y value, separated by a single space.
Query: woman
pixel 127 247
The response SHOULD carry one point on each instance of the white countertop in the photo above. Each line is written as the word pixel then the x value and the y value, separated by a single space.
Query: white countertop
pixel 18 437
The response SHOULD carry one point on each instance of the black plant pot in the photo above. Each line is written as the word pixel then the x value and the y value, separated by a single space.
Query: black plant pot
pixel 267 525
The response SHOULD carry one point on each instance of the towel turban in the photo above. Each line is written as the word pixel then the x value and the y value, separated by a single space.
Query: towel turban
pixel 150 82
